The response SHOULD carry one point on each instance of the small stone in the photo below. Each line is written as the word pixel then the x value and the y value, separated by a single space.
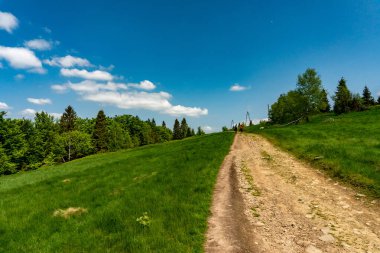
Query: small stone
pixel 259 224
pixel 360 195
pixel 312 249
pixel 325 230
pixel 309 216
pixel 327 238
pixel 256 243
pixel 373 202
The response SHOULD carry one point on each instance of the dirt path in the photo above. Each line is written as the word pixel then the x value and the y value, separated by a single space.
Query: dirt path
pixel 265 200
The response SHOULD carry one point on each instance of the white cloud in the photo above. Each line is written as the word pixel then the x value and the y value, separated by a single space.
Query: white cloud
pixel 238 87
pixel 19 77
pixel 55 115
pixel 143 85
pixel 4 106
pixel 21 58
pixel 28 112
pixel 117 94
pixel 208 129
pixel 68 61
pixel 39 101
pixel 46 29
pixel 39 44
pixel 89 75
pixel 8 21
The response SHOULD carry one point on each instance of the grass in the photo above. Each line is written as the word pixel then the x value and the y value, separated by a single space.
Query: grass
pixel 150 199
pixel 345 146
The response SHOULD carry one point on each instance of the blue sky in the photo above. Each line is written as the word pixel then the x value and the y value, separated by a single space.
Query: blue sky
pixel 168 59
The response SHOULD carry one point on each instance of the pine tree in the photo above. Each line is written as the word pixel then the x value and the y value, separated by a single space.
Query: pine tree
pixel 68 119
pixel 153 122
pixel 184 128
pixel 378 100
pixel 325 105
pixel 177 130
pixel 100 134
pixel 342 98
pixel 368 100
pixel 163 124
pixel 200 131
pixel 188 133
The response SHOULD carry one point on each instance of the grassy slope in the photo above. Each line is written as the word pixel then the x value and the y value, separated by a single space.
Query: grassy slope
pixel 173 182
pixel 349 145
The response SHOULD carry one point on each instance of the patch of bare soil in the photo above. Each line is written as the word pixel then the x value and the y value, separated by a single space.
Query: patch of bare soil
pixel 71 211
pixel 265 200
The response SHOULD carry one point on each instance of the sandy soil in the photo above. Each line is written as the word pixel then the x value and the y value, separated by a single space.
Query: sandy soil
pixel 265 200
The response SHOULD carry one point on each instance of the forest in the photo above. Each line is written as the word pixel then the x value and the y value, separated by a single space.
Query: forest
pixel 29 144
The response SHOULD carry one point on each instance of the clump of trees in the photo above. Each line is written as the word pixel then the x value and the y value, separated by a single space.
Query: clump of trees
pixel 310 98
pixel 28 144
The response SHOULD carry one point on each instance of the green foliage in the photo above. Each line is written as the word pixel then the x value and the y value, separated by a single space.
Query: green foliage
pixel 348 145
pixel 118 138
pixel 342 98
pixel 224 129
pixel 368 100
pixel 357 103
pixel 144 219
pixel 184 127
pixel 177 135
pixel 173 184
pixel 100 134
pixel 68 120
pixel 289 107
pixel 325 104
pixel 309 85
pixel 72 145
pixel 200 131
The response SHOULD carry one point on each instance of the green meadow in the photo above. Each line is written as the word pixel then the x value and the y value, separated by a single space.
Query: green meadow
pixel 345 146
pixel 150 199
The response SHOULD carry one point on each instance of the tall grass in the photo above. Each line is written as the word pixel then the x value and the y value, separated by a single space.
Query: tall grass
pixel 346 146
pixel 172 183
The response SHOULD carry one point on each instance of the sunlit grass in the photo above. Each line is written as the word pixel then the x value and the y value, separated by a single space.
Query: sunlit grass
pixel 346 146
pixel 150 199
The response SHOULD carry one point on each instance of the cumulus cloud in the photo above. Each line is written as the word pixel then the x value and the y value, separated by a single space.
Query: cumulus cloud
pixel 4 106
pixel 8 21
pixel 238 87
pixel 143 85
pixel 208 129
pixel 28 113
pixel 21 58
pixel 118 94
pixel 39 44
pixel 89 75
pixel 68 61
pixel 39 101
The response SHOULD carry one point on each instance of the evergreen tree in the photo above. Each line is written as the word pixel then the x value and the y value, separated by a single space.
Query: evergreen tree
pixel 378 100
pixel 192 132
pixel 184 128
pixel 200 131
pixel 177 130
pixel 188 133
pixel 100 134
pixel 68 119
pixel 325 105
pixel 153 122
pixel 368 100
pixel 163 124
pixel 342 98
pixel 356 104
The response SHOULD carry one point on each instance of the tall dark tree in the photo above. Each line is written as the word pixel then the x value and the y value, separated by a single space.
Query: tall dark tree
pixel 368 100
pixel 309 85
pixel 163 124
pixel 100 134
pixel 342 98
pixel 357 104
pixel 153 122
pixel 177 135
pixel 200 131
pixel 325 105
pixel 378 100
pixel 68 119
pixel 184 127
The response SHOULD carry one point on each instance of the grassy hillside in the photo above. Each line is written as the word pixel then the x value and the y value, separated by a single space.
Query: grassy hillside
pixel 172 183
pixel 346 146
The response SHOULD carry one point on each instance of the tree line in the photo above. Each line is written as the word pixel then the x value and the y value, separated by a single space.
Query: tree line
pixel 27 144
pixel 310 98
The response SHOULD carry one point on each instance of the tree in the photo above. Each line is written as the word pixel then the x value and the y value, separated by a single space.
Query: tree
pixel 177 130
pixel 163 124
pixel 368 100
pixel 325 105
pixel 68 120
pixel 224 129
pixel 200 131
pixel 378 100
pixel 289 107
pixel 72 145
pixel 184 128
pixel 342 98
pixel 309 85
pixel 100 134
pixel 356 104
pixel 118 138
